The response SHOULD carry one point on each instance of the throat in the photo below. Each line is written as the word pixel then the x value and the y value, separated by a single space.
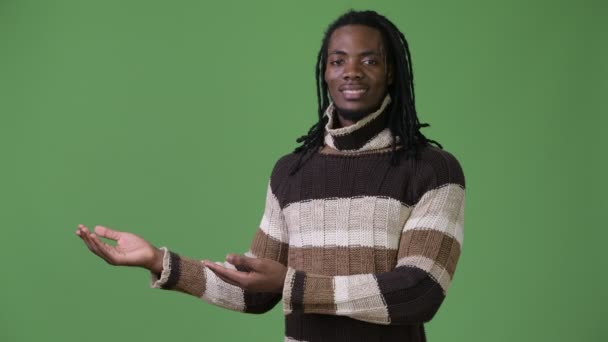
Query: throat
pixel 369 132
pixel 348 117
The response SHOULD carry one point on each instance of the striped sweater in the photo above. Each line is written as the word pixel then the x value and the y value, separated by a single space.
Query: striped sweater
pixel 371 249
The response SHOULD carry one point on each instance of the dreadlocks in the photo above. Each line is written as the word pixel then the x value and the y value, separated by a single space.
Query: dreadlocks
pixel 401 112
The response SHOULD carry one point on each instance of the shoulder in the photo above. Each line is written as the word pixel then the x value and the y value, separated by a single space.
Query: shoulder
pixel 282 167
pixel 284 163
pixel 439 167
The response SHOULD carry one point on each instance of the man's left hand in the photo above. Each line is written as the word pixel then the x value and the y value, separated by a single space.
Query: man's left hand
pixel 261 275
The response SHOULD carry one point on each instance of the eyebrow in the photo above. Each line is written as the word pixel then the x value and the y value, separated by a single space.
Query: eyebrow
pixel 364 53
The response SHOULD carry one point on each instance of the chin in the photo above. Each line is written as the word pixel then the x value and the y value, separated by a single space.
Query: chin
pixel 353 113
pixel 356 112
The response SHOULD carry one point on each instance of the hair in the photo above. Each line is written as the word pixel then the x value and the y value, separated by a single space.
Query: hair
pixel 401 112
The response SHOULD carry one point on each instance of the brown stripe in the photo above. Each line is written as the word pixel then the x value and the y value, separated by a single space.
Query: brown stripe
pixel 361 136
pixel 265 246
pixel 318 294
pixel 333 261
pixel 192 277
pixel 174 271
pixel 435 245
pixel 337 176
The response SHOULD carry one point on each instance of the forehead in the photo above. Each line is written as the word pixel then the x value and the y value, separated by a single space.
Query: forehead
pixel 353 38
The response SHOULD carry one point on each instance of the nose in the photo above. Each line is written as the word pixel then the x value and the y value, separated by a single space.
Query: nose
pixel 352 71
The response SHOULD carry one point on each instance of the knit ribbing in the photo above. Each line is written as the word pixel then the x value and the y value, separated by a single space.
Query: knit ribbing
pixel 367 134
pixel 371 248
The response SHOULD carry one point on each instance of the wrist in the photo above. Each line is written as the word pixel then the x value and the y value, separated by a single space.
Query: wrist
pixel 155 265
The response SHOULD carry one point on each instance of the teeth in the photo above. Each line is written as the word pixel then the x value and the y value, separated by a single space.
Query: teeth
pixel 355 91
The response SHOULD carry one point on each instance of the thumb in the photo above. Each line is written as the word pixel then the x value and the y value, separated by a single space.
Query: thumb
pixel 243 261
pixel 107 233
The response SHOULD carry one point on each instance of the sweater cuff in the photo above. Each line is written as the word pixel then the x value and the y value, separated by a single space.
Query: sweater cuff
pixel 287 289
pixel 158 281
pixel 308 293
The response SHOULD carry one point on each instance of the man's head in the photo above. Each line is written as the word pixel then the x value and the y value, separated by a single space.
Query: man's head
pixel 372 59
pixel 356 70
pixel 368 30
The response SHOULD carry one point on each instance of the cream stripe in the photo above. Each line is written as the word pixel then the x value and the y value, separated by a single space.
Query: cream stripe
pixel 158 281
pixel 287 289
pixel 383 139
pixel 289 339
pixel 440 209
pixel 273 222
pixel 329 141
pixel 358 296
pixel 361 221
pixel 439 273
pixel 359 124
pixel 220 293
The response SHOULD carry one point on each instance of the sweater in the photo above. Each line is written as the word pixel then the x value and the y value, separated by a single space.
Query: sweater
pixel 370 248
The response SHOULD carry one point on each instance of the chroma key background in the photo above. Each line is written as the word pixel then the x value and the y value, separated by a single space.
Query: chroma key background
pixel 164 118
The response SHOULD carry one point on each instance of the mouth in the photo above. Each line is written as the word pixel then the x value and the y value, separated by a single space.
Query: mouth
pixel 353 93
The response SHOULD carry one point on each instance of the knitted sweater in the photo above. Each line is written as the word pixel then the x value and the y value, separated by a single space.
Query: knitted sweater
pixel 371 249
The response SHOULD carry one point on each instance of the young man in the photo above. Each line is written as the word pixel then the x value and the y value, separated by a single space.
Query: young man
pixel 363 223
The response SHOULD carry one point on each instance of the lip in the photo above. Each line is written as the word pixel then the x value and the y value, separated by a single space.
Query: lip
pixel 353 91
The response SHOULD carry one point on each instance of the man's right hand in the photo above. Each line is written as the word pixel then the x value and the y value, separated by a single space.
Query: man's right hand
pixel 130 249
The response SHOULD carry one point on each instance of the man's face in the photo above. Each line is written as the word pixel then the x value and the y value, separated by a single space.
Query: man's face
pixel 356 72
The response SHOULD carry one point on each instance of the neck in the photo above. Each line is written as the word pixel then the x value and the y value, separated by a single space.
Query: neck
pixel 369 133
pixel 347 118
pixel 342 122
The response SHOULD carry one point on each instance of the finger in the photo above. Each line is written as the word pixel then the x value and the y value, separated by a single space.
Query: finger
pixel 227 280
pixel 104 249
pixel 91 244
pixel 243 261
pixel 83 235
pixel 239 278
pixel 83 229
pixel 107 233
pixel 87 240
pixel 80 230
pixel 205 262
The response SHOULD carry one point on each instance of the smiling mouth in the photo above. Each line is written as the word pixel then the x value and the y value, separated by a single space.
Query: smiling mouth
pixel 353 94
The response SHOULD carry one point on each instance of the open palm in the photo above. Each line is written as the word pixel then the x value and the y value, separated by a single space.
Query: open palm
pixel 130 249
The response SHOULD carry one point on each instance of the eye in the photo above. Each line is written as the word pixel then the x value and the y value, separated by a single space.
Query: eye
pixel 370 62
pixel 337 62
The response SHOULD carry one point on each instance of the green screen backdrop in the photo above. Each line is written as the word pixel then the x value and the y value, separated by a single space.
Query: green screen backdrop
pixel 165 118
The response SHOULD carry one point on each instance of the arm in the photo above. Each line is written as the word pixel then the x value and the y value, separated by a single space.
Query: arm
pixel 192 277
pixel 429 248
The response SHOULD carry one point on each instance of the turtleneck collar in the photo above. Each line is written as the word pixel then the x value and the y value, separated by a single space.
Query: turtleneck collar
pixel 369 133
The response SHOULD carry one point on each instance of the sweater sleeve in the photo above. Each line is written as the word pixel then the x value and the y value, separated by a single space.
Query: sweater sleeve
pixel 190 276
pixel 410 293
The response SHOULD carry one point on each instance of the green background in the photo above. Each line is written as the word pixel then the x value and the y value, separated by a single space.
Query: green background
pixel 164 118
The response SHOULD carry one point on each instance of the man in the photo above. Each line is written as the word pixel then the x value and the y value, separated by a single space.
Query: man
pixel 363 222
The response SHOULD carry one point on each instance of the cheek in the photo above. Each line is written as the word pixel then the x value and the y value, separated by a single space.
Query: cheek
pixel 330 79
pixel 381 84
